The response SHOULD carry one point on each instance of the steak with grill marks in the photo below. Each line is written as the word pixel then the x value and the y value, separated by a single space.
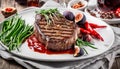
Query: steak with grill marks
pixel 60 35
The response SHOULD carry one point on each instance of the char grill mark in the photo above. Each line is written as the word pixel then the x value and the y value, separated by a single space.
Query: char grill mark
pixel 60 29
pixel 60 34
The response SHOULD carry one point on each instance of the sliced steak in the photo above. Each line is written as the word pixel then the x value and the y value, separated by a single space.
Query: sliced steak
pixel 60 35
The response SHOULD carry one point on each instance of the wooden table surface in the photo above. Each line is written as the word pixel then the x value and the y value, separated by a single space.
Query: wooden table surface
pixel 11 64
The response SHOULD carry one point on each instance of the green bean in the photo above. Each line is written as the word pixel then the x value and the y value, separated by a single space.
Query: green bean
pixel 14 32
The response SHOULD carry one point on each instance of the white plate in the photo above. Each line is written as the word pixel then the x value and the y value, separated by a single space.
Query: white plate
pixel 109 21
pixel 107 34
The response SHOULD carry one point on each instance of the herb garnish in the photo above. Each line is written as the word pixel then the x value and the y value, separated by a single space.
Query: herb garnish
pixel 82 43
pixel 49 14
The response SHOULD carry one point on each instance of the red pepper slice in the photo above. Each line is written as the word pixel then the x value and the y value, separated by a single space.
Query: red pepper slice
pixel 96 26
pixel 84 31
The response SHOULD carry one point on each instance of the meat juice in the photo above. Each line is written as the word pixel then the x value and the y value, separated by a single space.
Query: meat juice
pixel 37 46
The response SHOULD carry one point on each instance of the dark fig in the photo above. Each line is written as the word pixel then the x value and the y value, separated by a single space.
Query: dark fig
pixel 78 51
pixel 80 19
pixel 87 38
pixel 69 15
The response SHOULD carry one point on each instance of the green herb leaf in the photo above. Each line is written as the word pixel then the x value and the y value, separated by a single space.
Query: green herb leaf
pixel 82 43
pixel 49 14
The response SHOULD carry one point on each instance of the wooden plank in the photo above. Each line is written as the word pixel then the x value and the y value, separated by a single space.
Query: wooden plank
pixel 14 65
pixel 118 62
pixel 4 64
pixel 115 66
pixel 9 64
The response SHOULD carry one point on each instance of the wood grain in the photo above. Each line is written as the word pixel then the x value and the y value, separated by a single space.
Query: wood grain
pixel 9 64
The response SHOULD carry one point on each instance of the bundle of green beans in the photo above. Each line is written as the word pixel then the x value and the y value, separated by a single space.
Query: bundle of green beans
pixel 14 32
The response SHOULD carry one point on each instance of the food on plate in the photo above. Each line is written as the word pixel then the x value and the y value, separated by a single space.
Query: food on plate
pixel 37 46
pixel 54 30
pixel 8 11
pixel 80 19
pixel 91 12
pixel 77 5
pixel 57 34
pixel 89 28
pixel 14 32
pixel 69 15
pixel 107 15
pixel 78 51
pixel 93 32
pixel 81 44
pixel 88 38
pixel 104 14
pixel 54 33
pixel 94 26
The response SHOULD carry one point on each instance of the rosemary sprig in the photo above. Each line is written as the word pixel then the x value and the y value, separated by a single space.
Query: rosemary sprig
pixel 82 43
pixel 49 14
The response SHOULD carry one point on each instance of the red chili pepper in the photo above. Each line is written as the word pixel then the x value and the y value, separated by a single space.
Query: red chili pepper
pixel 88 27
pixel 84 31
pixel 93 32
pixel 96 26
pixel 97 35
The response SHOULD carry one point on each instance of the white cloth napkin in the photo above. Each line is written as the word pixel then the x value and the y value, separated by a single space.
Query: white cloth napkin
pixel 103 61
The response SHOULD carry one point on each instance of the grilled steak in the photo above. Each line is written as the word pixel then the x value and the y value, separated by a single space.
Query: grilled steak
pixel 59 35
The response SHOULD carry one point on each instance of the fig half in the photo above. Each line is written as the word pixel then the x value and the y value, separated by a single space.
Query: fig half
pixel 78 51
pixel 80 19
